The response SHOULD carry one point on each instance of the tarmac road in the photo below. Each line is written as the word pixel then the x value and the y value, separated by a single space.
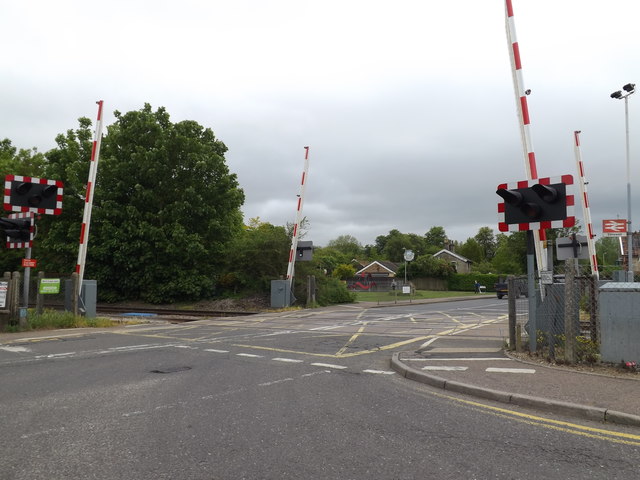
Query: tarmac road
pixel 308 394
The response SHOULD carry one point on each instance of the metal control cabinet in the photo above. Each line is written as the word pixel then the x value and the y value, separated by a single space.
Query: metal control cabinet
pixel 280 294
pixel 620 322
pixel 88 297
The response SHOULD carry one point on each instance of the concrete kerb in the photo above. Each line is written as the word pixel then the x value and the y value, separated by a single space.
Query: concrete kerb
pixel 555 406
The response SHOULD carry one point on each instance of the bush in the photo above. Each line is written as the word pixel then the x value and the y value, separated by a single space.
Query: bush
pixel 331 290
pixel 464 282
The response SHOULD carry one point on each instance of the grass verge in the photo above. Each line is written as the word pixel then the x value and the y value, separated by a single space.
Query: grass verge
pixel 52 319
pixel 417 295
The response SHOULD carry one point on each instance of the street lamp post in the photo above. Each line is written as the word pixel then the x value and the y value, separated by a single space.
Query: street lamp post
pixel 629 88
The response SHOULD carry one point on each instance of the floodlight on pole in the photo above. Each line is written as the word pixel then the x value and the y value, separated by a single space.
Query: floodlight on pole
pixel 629 88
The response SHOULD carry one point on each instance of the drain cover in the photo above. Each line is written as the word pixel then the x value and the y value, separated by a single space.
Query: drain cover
pixel 171 369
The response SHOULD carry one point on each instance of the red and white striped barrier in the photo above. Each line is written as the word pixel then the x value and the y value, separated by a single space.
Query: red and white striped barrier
pixel 525 123
pixel 586 209
pixel 88 198
pixel 296 226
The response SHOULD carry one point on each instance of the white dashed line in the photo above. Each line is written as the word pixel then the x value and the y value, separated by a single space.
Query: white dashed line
pixel 510 370
pixel 329 365
pixel 275 382
pixel 215 351
pixel 289 360
pixel 444 368
pixel 15 349
pixel 379 372
pixel 249 355
pixel 56 355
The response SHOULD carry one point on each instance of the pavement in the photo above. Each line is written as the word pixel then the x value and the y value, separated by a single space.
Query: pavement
pixel 477 364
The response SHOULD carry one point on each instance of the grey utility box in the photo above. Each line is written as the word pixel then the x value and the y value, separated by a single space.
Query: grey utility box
pixel 620 322
pixel 280 294
pixel 88 297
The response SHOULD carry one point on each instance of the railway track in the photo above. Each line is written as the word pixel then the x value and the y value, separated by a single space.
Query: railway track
pixel 166 312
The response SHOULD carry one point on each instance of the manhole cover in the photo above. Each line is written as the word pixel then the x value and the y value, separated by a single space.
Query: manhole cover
pixel 170 369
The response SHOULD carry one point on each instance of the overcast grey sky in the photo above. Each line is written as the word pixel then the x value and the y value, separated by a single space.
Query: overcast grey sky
pixel 408 107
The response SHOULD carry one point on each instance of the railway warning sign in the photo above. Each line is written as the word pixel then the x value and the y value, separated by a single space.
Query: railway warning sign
pixel 614 228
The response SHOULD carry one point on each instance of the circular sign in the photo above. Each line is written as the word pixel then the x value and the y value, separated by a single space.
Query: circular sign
pixel 408 255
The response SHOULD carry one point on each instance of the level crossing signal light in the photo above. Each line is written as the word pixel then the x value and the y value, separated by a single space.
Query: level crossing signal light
pixel 545 204
pixel 16 229
pixel 28 194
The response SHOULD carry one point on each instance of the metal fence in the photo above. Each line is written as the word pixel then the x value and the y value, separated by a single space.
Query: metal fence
pixel 561 321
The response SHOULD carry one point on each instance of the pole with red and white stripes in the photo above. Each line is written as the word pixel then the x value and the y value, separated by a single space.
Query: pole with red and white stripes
pixel 586 211
pixel 296 227
pixel 525 123
pixel 88 199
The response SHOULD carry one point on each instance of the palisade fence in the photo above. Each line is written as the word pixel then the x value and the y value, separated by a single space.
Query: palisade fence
pixel 566 327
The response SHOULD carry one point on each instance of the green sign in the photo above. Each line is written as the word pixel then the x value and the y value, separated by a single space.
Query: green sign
pixel 49 286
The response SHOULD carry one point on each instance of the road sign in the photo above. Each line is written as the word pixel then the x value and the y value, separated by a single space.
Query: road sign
pixel 29 262
pixel 614 228
pixel 49 286
pixel 571 247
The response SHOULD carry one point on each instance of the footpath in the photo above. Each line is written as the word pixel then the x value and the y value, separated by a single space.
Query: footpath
pixel 477 365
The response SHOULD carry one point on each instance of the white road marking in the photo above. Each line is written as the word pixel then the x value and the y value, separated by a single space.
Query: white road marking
pixel 510 370
pixel 56 355
pixel 427 343
pixel 330 327
pixel 15 349
pixel 379 372
pixel 275 382
pixel 329 365
pixel 445 368
pixel 449 359
pixel 290 360
pixel 315 373
pixel 250 355
pixel 215 351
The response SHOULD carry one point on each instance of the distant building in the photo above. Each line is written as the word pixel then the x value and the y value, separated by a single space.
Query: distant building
pixel 460 264
pixel 378 268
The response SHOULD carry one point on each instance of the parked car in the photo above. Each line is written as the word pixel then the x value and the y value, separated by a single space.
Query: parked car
pixel 502 288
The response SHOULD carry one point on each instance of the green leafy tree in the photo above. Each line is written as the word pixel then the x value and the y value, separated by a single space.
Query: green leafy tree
pixel 426 266
pixel 436 237
pixel 487 242
pixel 511 253
pixel 472 250
pixel 608 253
pixel 257 255
pixel 396 242
pixel 27 162
pixel 344 271
pixel 347 245
pixel 166 205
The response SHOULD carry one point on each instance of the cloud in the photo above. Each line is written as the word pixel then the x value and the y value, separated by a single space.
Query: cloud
pixel 408 108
